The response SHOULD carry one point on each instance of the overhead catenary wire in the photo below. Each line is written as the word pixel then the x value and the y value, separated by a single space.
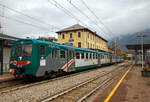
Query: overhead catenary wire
pixel 87 17
pixel 98 19
pixel 33 18
pixel 16 20
pixel 66 11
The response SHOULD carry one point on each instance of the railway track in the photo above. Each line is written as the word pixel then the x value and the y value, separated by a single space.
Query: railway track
pixel 80 92
pixel 13 84
pixel 10 84
pixel 22 90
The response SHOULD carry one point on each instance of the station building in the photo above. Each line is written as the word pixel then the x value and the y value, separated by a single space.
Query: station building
pixel 5 45
pixel 82 37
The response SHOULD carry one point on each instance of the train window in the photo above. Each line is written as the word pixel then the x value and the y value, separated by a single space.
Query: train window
pixel 62 54
pixel 90 56
pixel 78 55
pixel 42 50
pixel 17 51
pixel 70 53
pixel 82 55
pixel 54 53
pixel 86 55
pixel 79 44
pixel 93 55
pixel 73 54
pixel 27 49
pixel 96 56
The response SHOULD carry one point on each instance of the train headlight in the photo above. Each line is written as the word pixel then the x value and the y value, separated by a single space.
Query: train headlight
pixel 28 62
pixel 11 62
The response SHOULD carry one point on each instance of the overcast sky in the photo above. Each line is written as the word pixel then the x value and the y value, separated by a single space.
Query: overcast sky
pixel 120 16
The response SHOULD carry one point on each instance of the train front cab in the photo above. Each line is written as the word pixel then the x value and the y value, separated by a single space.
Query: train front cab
pixel 22 58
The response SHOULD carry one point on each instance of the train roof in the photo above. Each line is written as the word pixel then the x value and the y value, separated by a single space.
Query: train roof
pixel 58 45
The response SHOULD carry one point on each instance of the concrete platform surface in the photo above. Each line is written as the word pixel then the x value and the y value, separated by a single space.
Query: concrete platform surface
pixel 5 77
pixel 134 88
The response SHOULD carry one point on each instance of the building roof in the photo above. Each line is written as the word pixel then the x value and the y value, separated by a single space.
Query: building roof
pixel 138 46
pixel 72 28
pixel 7 37
pixel 78 27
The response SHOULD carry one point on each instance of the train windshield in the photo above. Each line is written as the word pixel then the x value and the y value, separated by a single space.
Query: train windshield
pixel 22 50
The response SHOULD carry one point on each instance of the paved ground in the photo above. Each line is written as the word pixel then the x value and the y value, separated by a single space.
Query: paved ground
pixel 134 88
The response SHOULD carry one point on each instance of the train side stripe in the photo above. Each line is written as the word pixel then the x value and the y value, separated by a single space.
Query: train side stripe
pixel 68 64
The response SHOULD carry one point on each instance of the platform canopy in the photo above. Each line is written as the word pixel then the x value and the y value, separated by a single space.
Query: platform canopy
pixel 138 47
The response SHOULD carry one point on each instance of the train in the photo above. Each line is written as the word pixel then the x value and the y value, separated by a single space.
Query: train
pixel 36 58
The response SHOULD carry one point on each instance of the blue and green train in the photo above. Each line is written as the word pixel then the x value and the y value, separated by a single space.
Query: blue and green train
pixel 36 58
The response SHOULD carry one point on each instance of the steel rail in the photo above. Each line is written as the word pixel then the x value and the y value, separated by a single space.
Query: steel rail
pixel 79 85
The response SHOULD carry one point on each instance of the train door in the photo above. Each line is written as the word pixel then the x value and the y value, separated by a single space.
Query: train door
pixel 99 59
pixel 66 59
pixel 42 55
pixel 54 60
pixel 110 57
pixel 58 59
pixel 1 59
pixel 71 59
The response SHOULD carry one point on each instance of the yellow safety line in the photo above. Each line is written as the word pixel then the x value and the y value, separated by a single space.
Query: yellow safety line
pixel 116 87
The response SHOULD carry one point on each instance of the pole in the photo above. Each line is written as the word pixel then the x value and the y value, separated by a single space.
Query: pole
pixel 142 48
pixel 115 52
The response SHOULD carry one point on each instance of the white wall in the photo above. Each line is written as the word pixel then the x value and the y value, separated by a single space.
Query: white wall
pixel 6 56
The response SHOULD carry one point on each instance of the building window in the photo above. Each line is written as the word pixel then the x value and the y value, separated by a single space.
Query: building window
pixel 71 44
pixel 70 35
pixel 79 44
pixel 63 36
pixel 79 34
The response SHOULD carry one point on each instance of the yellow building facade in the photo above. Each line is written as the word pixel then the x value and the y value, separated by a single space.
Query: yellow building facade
pixel 82 37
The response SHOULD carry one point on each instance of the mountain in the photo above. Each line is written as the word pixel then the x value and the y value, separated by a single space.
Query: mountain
pixel 126 39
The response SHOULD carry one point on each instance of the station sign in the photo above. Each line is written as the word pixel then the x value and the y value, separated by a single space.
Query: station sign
pixel 71 40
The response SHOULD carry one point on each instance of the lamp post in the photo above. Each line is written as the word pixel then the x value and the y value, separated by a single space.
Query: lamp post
pixel 142 36
pixel 115 52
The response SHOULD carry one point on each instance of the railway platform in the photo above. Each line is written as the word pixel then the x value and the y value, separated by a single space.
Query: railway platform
pixel 5 77
pixel 133 88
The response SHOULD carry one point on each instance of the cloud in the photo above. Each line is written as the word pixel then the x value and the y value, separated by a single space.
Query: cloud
pixel 121 16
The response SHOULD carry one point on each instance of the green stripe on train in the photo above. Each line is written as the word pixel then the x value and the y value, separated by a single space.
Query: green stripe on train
pixel 86 67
